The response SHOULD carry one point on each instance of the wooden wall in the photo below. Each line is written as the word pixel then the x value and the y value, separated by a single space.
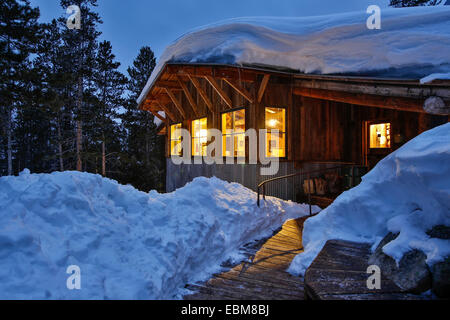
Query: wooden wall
pixel 333 131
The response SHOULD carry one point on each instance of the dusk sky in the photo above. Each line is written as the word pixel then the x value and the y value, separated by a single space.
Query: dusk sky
pixel 131 24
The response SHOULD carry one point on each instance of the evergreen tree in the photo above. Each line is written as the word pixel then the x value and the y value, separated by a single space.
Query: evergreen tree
pixel 55 80
pixel 414 3
pixel 145 162
pixel 82 45
pixel 19 33
pixel 110 85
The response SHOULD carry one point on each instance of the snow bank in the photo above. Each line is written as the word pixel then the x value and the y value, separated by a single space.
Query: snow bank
pixel 407 192
pixel 128 244
pixel 435 76
pixel 412 42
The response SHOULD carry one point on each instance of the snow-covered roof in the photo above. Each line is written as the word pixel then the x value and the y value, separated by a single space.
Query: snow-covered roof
pixel 412 42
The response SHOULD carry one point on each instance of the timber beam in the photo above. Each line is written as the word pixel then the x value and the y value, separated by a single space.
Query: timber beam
pixel 173 85
pixel 240 89
pixel 202 93
pixel 221 72
pixel 188 96
pixel 262 87
pixel 219 91
pixel 176 102
pixel 370 100
pixel 167 111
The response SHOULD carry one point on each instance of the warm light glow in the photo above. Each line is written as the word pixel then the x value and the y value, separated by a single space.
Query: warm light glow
pixel 276 132
pixel 272 123
pixel 175 139
pixel 233 133
pixel 380 135
pixel 199 136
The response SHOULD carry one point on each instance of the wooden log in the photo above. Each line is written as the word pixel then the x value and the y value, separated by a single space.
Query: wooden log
pixel 262 87
pixel 222 94
pixel 240 89
pixel 167 111
pixel 396 103
pixel 175 102
pixel 202 93
pixel 189 97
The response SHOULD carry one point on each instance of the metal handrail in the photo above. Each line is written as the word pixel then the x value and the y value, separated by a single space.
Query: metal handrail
pixel 308 173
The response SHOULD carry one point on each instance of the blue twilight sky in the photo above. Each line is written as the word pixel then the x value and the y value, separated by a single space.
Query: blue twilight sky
pixel 131 24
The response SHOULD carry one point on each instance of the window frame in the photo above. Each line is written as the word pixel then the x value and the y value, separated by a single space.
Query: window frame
pixel 285 132
pixel 234 134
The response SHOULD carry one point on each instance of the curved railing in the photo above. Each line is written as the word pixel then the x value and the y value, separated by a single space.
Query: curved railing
pixel 262 185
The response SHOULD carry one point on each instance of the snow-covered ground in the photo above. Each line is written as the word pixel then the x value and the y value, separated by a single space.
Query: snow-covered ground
pixel 407 192
pixel 128 244
pixel 412 42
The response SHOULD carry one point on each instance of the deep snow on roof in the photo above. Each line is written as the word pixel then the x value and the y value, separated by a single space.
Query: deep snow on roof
pixel 412 42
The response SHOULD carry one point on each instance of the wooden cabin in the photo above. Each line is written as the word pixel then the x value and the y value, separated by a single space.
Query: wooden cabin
pixel 344 123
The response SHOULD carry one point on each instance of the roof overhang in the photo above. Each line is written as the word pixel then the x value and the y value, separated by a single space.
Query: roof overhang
pixel 401 94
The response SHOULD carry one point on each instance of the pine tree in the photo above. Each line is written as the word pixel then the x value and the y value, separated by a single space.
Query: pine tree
pixel 19 32
pixel 110 85
pixel 82 45
pixel 55 80
pixel 145 164
pixel 414 3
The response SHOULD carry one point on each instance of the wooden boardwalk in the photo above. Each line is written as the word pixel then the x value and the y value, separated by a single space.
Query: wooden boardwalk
pixel 339 272
pixel 263 276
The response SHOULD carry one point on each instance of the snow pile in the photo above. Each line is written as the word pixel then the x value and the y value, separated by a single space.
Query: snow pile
pixel 412 42
pixel 128 244
pixel 407 192
pixel 435 76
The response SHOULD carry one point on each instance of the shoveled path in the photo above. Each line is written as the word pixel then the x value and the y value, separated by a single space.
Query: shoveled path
pixel 263 276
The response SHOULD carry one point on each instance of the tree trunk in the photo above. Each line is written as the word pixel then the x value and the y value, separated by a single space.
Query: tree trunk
pixel 60 148
pixel 103 158
pixel 79 124
pixel 9 134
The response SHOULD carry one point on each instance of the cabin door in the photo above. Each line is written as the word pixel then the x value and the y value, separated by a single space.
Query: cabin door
pixel 377 142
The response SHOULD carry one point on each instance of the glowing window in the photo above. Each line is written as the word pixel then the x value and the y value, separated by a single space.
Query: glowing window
pixel 380 135
pixel 233 133
pixel 199 137
pixel 175 139
pixel 276 141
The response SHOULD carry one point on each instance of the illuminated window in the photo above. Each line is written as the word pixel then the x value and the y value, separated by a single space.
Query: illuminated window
pixel 380 135
pixel 175 139
pixel 233 133
pixel 276 141
pixel 199 137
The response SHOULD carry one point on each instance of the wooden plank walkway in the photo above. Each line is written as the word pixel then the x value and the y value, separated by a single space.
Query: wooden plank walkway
pixel 339 272
pixel 263 275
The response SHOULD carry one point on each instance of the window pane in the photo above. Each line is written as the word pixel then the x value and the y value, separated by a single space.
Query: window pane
pixel 276 119
pixel 228 145
pixel 175 139
pixel 275 145
pixel 380 135
pixel 239 121
pixel 239 145
pixel 227 123
pixel 275 142
pixel 175 147
pixel 233 131
pixel 199 136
